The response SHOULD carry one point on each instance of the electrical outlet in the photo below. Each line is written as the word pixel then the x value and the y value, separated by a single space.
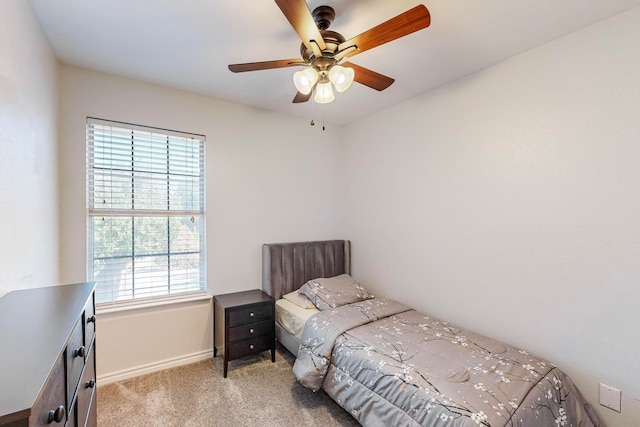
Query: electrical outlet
pixel 610 397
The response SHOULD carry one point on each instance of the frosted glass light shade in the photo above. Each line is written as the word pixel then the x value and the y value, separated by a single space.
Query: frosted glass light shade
pixel 341 77
pixel 324 93
pixel 305 79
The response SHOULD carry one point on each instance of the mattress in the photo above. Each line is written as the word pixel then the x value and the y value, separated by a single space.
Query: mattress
pixel 292 317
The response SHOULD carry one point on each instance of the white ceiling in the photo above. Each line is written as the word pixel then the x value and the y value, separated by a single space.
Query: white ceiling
pixel 187 44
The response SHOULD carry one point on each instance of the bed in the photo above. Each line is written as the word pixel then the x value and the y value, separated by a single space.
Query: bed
pixel 387 364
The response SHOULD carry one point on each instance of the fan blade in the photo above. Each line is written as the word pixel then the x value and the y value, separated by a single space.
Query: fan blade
pixel 301 97
pixel 300 18
pixel 266 65
pixel 406 23
pixel 369 78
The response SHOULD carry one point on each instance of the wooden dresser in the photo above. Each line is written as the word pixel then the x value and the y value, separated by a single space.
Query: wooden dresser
pixel 244 324
pixel 47 357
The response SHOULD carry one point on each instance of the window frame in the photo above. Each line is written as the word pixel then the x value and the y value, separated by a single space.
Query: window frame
pixel 194 289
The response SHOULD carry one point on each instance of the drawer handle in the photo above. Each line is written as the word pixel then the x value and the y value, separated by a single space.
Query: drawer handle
pixel 57 415
pixel 79 352
pixel 252 314
pixel 91 383
pixel 251 347
pixel 92 319
pixel 251 330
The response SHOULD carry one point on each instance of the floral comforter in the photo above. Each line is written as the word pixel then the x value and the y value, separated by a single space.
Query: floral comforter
pixel 389 365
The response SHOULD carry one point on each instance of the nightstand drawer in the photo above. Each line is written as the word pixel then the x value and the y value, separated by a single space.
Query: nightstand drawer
pixel 250 314
pixel 238 333
pixel 250 346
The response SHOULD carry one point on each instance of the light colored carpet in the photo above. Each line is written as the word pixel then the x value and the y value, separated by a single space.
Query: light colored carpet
pixel 256 392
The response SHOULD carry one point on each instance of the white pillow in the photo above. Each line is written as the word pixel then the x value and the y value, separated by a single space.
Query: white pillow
pixel 299 299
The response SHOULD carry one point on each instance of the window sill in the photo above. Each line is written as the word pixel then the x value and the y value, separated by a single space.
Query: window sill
pixel 106 308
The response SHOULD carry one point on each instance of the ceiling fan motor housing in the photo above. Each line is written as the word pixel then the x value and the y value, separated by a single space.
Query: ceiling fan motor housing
pixel 323 16
pixel 331 39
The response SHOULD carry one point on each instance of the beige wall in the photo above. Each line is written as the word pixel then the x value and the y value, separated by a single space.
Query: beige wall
pixel 28 163
pixel 509 202
pixel 270 178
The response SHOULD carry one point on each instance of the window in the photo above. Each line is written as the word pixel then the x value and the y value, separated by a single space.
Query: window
pixel 146 211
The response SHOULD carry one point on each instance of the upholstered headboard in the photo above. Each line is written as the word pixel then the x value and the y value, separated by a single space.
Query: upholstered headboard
pixel 288 266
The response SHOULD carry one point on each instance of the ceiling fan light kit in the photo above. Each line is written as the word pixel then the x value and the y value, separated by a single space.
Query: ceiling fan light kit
pixel 324 93
pixel 305 80
pixel 341 77
pixel 322 50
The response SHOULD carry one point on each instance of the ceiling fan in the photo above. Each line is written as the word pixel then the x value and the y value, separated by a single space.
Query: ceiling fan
pixel 322 50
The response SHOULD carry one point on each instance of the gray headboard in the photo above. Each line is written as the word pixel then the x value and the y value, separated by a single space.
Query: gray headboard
pixel 288 266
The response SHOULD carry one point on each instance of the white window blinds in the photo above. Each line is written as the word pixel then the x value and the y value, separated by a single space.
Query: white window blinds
pixel 146 211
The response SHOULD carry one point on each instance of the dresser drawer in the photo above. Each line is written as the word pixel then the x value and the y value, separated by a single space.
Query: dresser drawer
pixel 76 352
pixel 257 329
pixel 92 417
pixel 250 314
pixel 71 422
pixel 52 401
pixel 89 322
pixel 86 388
pixel 251 346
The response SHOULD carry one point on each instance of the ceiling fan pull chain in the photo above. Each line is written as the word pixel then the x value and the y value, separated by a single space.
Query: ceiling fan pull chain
pixel 312 123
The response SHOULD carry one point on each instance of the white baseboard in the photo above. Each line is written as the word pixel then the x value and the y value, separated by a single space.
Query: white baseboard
pixel 153 367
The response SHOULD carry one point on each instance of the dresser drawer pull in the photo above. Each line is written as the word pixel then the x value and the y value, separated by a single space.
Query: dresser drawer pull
pixel 79 352
pixel 57 415
pixel 251 347
pixel 91 319
pixel 91 383
pixel 252 314
pixel 251 331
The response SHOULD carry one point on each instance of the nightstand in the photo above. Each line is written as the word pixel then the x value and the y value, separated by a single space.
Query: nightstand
pixel 244 324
